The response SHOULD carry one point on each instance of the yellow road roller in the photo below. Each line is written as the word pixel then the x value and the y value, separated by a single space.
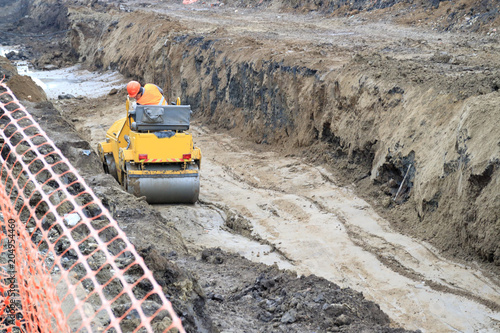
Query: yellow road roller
pixel 151 154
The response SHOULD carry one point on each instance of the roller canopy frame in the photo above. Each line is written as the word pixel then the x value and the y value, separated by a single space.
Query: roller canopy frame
pixel 160 118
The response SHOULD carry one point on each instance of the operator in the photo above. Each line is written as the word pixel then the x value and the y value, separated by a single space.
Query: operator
pixel 150 94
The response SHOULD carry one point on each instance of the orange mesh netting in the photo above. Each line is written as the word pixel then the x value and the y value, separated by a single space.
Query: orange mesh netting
pixel 65 265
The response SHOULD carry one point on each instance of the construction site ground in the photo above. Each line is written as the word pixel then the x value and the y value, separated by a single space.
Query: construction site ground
pixel 288 235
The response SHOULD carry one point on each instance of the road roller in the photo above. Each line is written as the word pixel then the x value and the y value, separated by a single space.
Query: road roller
pixel 151 153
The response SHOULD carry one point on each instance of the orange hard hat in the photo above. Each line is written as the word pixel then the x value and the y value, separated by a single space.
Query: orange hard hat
pixel 133 88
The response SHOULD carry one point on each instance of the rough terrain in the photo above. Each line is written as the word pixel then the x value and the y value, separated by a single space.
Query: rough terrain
pixel 397 102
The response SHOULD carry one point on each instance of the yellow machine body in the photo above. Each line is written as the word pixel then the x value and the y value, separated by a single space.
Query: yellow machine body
pixel 153 155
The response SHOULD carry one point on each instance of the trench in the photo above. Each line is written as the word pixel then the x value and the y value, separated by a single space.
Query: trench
pixel 351 104
pixel 210 220
pixel 279 211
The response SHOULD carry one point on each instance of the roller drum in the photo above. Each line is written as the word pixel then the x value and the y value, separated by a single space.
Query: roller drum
pixel 110 165
pixel 183 188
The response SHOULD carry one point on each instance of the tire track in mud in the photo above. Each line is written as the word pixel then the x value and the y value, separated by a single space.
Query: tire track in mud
pixel 384 251
pixel 359 238
pixel 251 185
pixel 241 226
pixel 283 202
pixel 387 257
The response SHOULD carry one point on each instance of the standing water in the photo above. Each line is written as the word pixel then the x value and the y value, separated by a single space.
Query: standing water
pixel 73 80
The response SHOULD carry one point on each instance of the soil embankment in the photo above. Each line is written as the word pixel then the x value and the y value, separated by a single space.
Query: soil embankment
pixel 374 101
pixel 212 291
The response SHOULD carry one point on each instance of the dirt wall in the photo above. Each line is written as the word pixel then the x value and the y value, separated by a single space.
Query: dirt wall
pixel 372 116
pixel 255 297
pixel 47 16
pixel 12 11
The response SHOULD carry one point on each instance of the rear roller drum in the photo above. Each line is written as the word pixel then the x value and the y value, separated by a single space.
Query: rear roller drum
pixel 109 166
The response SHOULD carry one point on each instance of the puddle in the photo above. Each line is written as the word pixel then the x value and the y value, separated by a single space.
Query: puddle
pixel 68 81
pixel 75 81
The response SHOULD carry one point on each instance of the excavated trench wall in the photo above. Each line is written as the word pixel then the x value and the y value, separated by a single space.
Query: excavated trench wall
pixel 373 117
pixel 13 11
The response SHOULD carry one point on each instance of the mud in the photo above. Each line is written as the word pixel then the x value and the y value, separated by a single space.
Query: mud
pixel 283 302
pixel 359 93
pixel 397 103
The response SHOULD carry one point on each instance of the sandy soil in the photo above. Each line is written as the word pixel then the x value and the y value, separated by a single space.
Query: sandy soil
pixel 278 209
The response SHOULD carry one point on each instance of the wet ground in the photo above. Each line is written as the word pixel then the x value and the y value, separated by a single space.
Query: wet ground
pixel 281 210
pixel 73 81
pixel 272 207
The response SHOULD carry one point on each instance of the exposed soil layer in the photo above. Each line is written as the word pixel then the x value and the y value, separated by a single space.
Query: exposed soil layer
pixel 213 291
pixel 398 100
pixel 374 100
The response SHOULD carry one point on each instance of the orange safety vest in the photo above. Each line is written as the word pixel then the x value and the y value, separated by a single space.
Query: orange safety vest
pixel 151 96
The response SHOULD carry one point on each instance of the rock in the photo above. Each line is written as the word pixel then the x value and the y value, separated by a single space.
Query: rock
pixel 212 256
pixel 265 316
pixel 385 189
pixel 441 57
pixel 65 96
pixel 392 183
pixel 72 219
pixel 320 298
pixel 343 320
pixel 215 297
pixel 163 325
pixel 334 310
pixel 49 67
pixel 289 317
pixel 12 55
pixel 265 283
pixel 113 91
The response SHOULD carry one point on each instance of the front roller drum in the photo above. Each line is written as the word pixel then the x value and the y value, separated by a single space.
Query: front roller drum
pixel 183 188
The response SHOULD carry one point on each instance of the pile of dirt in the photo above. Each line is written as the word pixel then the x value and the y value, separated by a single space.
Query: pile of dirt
pixel 22 86
pixel 273 300
pixel 25 88
pixel 8 69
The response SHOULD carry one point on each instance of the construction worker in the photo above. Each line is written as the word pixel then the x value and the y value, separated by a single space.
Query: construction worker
pixel 150 94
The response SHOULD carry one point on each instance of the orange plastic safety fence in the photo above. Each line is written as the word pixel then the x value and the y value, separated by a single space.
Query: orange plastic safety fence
pixel 65 265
